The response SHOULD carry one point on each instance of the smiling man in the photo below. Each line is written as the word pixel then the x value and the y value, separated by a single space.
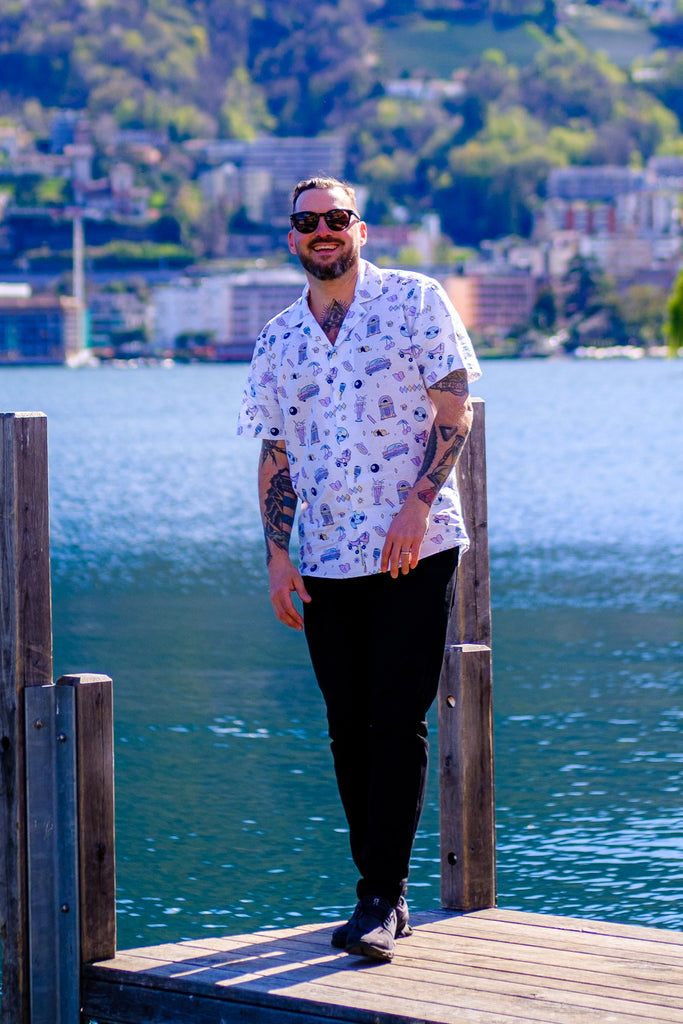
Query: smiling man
pixel 359 392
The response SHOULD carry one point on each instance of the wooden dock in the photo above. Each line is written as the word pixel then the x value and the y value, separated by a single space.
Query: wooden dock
pixel 60 962
pixel 485 967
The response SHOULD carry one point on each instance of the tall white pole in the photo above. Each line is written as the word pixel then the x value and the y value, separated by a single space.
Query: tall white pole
pixel 79 276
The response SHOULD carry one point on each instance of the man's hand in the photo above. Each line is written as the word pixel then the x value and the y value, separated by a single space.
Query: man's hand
pixel 401 551
pixel 452 420
pixel 285 580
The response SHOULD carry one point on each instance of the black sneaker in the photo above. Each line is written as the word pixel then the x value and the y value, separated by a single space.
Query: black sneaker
pixel 340 935
pixel 374 930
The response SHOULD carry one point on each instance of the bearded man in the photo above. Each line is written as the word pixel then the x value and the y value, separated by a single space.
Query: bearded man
pixel 359 392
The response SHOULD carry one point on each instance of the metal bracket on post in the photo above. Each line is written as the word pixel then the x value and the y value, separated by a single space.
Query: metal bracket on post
pixel 52 845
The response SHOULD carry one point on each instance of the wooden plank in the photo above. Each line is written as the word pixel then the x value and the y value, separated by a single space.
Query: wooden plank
pixel 435 976
pixel 465 715
pixel 574 942
pixel 34 593
pixel 300 1003
pixel 433 951
pixel 447 960
pixel 96 826
pixel 396 991
pixel 474 582
pixel 467 810
pixel 588 926
pixel 52 862
pixel 128 1005
pixel 416 963
pixel 67 896
pixel 25 660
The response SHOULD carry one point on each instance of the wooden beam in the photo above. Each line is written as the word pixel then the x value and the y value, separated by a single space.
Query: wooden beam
pixel 25 661
pixel 52 855
pixel 474 575
pixel 96 827
pixel 465 705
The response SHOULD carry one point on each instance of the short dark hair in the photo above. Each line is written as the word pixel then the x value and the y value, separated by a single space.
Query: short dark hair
pixel 310 183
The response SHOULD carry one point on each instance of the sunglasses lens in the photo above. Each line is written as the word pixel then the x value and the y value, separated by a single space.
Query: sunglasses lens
pixel 337 220
pixel 305 223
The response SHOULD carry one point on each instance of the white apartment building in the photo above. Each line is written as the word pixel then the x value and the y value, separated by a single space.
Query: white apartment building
pixel 191 304
pixel 232 307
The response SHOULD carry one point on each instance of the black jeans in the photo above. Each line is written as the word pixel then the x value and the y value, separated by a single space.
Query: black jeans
pixel 377 644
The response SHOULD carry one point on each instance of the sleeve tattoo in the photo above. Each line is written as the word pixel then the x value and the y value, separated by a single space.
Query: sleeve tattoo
pixel 279 498
pixel 439 460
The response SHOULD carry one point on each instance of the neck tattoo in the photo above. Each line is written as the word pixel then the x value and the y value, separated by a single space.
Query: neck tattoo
pixel 333 318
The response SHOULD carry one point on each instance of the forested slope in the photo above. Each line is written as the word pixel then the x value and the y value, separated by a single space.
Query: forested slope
pixel 479 153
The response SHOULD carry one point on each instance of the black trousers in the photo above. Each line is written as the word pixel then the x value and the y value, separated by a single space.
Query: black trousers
pixel 377 644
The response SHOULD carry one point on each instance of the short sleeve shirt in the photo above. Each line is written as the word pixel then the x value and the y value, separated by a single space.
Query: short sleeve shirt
pixel 355 415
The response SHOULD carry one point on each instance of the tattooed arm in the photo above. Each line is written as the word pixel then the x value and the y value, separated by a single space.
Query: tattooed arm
pixel 278 505
pixel 452 422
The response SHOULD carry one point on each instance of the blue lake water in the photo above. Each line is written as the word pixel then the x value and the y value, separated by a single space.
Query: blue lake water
pixel 227 813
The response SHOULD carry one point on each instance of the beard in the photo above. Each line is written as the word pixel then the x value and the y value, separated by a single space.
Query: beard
pixel 330 271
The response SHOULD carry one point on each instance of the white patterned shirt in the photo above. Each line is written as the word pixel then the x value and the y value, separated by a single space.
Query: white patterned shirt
pixel 355 415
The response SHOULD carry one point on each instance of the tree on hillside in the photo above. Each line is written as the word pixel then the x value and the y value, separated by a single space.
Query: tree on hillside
pixel 316 62
pixel 675 322
pixel 584 287
pixel 566 82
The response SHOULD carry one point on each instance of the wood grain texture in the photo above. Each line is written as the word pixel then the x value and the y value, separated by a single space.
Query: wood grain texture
pixel 96 825
pixel 488 967
pixel 25 661
pixel 465 704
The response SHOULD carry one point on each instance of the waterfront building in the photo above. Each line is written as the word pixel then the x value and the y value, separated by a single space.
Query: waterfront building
pixel 231 309
pixel 492 301
pixel 38 329
pixel 114 316
pixel 256 296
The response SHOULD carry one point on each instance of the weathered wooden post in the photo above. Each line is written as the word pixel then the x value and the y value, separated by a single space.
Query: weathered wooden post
pixel 57 875
pixel 25 662
pixel 467 799
pixel 94 730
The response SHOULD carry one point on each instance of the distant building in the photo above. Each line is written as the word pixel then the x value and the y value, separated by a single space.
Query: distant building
pixel 267 168
pixel 10 140
pixel 68 127
pixel 492 301
pixel 256 296
pixel 386 241
pixel 594 183
pixel 113 314
pixel 38 329
pixel 648 212
pixel 230 308
pixel 629 220
pixel 428 89
pixel 190 304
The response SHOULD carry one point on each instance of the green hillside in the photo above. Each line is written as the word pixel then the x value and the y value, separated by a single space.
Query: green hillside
pixel 625 38
pixel 531 87
pixel 434 47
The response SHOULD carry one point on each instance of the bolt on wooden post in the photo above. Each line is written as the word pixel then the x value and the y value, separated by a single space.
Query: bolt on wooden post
pixel 467 799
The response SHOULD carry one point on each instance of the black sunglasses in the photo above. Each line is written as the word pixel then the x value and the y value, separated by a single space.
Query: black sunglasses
pixel 336 220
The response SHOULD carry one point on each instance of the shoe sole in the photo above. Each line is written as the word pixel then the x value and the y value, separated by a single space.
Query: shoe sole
pixel 375 953
pixel 339 944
